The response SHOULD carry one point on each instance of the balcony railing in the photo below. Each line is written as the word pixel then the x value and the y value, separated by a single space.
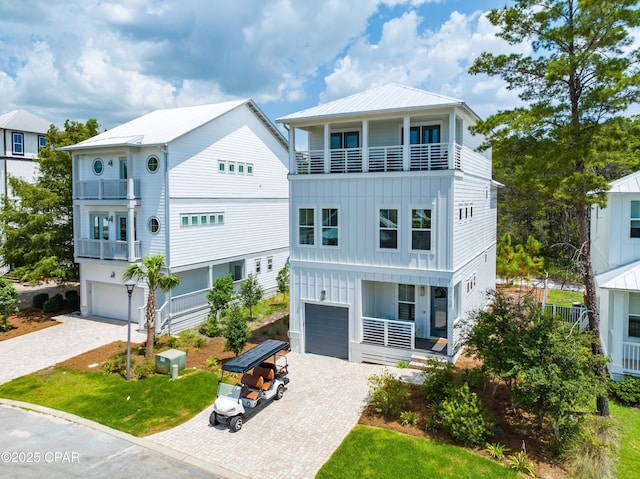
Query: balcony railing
pixel 570 314
pixel 105 249
pixel 388 332
pixel 427 157
pixel 107 189
pixel 631 358
pixel 189 302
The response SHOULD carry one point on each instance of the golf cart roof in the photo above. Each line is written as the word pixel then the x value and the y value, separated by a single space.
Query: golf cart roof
pixel 255 356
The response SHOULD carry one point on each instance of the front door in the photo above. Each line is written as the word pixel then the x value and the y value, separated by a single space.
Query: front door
pixel 438 312
pixel 99 226
pixel 124 174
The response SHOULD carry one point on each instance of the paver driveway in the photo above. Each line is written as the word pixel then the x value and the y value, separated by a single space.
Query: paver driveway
pixel 292 437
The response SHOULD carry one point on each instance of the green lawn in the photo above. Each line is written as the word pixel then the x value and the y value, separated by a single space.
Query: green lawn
pixel 629 460
pixel 137 407
pixel 564 298
pixel 382 454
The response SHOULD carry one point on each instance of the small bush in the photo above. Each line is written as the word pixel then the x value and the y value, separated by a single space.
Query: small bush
pixel 520 462
pixel 39 300
pixel 402 364
pixel 474 377
pixel 594 455
pixel 172 342
pixel 431 423
pixel 211 327
pixel 143 370
pixel 496 450
pixel 116 365
pixel 408 418
pixel 199 342
pixel 464 417
pixel 388 393
pixel 214 364
pixel 72 301
pixel 439 381
pixel 54 305
pixel 69 293
pixel 626 391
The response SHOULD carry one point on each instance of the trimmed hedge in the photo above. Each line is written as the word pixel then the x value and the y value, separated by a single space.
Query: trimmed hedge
pixel 54 305
pixel 39 300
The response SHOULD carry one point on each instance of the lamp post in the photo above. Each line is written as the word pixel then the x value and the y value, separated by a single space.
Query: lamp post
pixel 129 286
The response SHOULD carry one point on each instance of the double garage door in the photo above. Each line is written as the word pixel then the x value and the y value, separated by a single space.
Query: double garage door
pixel 111 301
pixel 327 330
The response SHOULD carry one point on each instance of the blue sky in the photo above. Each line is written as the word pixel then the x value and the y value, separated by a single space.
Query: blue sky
pixel 115 60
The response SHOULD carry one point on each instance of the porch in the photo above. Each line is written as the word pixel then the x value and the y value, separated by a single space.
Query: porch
pixel 107 189
pixel 106 249
pixel 631 358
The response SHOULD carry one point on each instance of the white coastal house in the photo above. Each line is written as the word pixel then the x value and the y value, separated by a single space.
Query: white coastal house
pixel 206 186
pixel 615 251
pixel 393 225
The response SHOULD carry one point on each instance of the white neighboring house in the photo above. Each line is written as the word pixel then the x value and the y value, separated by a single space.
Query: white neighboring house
pixel 615 251
pixel 22 135
pixel 393 225
pixel 206 186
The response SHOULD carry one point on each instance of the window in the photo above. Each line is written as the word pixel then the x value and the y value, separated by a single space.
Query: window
pixel 258 266
pixel 184 220
pixel 389 228
pixel 212 219
pixel 634 315
pixel 306 227
pixel 270 263
pixel 249 169
pixel 471 283
pixel 232 167
pixel 152 164
pixel 98 166
pixel 201 219
pixel 241 168
pixel 220 219
pixel 348 139
pixel 194 220
pixel 42 141
pixel 99 226
pixel 635 219
pixel 18 143
pixel 421 230
pixel 407 302
pixel 221 166
pixel 154 225
pixel 329 226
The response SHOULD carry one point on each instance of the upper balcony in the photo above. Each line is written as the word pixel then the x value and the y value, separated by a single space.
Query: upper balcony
pixel 420 157
pixel 127 189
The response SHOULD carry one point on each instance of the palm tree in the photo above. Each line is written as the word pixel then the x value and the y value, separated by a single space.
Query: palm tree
pixel 150 271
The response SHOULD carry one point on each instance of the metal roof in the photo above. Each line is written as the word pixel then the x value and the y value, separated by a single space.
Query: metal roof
pixel 255 356
pixel 22 120
pixel 163 126
pixel 626 184
pixel 626 277
pixel 389 97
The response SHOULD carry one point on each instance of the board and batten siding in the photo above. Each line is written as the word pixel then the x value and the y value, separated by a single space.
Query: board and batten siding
pixel 622 249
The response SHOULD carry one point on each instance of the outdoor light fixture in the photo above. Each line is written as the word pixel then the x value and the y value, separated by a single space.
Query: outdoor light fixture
pixel 129 285
pixel 323 295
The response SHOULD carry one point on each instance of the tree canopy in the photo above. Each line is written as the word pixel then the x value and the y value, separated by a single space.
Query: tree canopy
pixel 37 218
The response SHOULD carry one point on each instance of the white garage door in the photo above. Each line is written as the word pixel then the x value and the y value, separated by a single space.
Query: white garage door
pixel 111 301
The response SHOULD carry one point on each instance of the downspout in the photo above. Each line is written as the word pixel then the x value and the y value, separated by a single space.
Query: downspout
pixel 167 236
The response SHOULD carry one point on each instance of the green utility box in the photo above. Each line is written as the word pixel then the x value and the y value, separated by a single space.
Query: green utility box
pixel 167 359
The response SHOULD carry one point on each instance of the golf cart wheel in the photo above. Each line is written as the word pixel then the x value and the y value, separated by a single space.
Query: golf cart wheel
pixel 279 392
pixel 236 423
pixel 213 419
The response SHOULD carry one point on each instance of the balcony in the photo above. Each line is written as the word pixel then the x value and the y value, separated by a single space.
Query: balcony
pixel 386 332
pixel 106 249
pixel 107 189
pixel 631 358
pixel 425 157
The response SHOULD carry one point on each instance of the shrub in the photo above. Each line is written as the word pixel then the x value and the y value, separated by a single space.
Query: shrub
pixel 431 423
pixel 69 293
pixel 116 365
pixel 520 462
pixel 496 450
pixel 402 364
pixel 172 341
pixel 408 418
pixel 71 299
pixel 464 417
pixel 143 370
pixel 214 364
pixel 388 393
pixel 594 454
pixel 39 300
pixel 199 342
pixel 626 391
pixel 54 305
pixel 439 381
pixel 474 377
pixel 211 327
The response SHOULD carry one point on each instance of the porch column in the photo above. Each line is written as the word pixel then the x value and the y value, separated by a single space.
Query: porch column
pixel 365 146
pixel 451 317
pixel 131 225
pixel 210 276
pixel 406 148
pixel 327 148
pixel 292 150
pixel 452 138
pixel 617 327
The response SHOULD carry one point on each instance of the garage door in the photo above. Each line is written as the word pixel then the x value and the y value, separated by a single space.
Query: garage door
pixel 111 301
pixel 327 330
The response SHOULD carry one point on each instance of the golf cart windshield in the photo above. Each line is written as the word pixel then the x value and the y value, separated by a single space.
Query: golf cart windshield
pixel 229 390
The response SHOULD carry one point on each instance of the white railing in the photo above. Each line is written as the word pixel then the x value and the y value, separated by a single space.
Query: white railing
pixel 107 189
pixel 570 314
pixel 105 249
pixel 189 302
pixel 346 160
pixel 631 358
pixel 387 332
pixel 431 156
pixel 160 321
pixel 457 156
pixel 385 158
pixel 309 162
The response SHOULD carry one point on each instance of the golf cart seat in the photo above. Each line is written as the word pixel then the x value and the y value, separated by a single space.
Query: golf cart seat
pixel 267 375
pixel 252 385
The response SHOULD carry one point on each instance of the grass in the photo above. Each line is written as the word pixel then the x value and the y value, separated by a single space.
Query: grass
pixel 268 306
pixel 564 298
pixel 629 454
pixel 379 453
pixel 137 407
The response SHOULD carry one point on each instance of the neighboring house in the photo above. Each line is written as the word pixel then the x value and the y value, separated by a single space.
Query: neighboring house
pixel 393 225
pixel 615 252
pixel 206 186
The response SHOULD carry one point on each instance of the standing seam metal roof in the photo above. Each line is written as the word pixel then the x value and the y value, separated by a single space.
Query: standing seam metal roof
pixel 22 120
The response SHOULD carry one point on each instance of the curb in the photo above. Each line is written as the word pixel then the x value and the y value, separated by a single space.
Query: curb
pixel 219 471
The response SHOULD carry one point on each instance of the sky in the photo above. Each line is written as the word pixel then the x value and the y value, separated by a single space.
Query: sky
pixel 115 60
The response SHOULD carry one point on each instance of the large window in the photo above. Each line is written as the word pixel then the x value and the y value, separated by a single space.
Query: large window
pixel 421 229
pixel 99 226
pixel 18 143
pixel 389 228
pixel 42 141
pixel 635 219
pixel 421 135
pixel 347 139
pixel 407 302
pixel 330 227
pixel 634 315
pixel 306 229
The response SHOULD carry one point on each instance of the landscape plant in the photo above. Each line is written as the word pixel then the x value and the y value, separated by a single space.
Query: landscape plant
pixel 236 330
pixel 594 453
pixel 389 394
pixel 438 381
pixel 283 279
pixel 464 417
pixel 8 303
pixel 219 297
pixel 626 391
pixel 250 293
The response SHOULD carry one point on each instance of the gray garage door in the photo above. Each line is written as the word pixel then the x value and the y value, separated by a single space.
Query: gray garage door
pixel 327 330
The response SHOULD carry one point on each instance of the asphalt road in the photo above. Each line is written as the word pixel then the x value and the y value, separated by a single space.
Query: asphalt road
pixel 36 445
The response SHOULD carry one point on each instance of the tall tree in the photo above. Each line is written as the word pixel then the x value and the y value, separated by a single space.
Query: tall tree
pixel 251 293
pixel 36 218
pixel 152 272
pixel 580 76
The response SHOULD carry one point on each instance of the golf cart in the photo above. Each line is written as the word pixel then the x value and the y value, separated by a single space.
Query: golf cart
pixel 262 381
